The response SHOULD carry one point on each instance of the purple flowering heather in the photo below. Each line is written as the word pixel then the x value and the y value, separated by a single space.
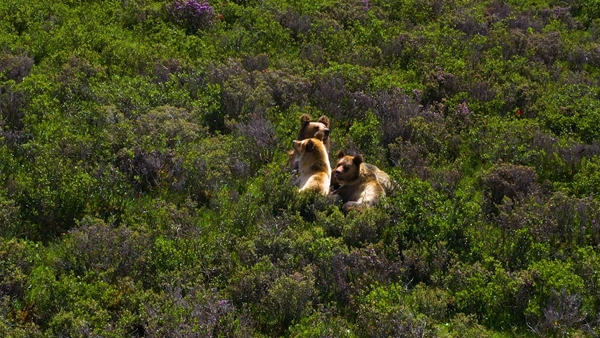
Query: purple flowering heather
pixel 193 14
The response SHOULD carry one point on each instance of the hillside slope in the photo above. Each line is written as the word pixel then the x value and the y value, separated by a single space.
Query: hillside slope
pixel 145 189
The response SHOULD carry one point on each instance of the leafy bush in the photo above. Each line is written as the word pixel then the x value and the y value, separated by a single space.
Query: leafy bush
pixel 322 324
pixel 466 326
pixel 343 276
pixel 490 292
pixel 144 181
pixel 68 305
pixel 557 306
pixel 289 299
pixel 382 314
pixel 192 14
pixel 52 197
pixel 362 229
pixel 10 218
pixel 13 68
pixel 97 248
pixel 190 311
pixel 507 181
pixel 568 110
pixel 17 263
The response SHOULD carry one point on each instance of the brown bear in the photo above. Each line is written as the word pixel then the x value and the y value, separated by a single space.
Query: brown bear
pixel 308 129
pixel 382 177
pixel 314 171
pixel 360 184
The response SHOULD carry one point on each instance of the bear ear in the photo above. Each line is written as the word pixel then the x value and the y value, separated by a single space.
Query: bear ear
pixel 320 135
pixel 341 154
pixel 310 145
pixel 297 145
pixel 304 119
pixel 325 120
pixel 357 160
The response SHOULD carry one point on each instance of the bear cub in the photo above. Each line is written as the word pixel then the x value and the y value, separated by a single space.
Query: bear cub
pixel 360 184
pixel 314 171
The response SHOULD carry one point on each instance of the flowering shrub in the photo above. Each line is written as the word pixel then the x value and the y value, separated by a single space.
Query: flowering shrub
pixel 145 190
pixel 192 14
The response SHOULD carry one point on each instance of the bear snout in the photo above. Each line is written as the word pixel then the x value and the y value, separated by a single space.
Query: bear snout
pixel 297 145
pixel 337 172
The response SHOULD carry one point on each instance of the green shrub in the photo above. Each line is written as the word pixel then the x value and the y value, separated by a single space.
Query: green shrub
pixel 96 248
pixel 495 295
pixel 250 285
pixel 189 311
pixel 586 262
pixel 52 196
pixel 430 301
pixel 364 228
pixel 19 327
pixel 144 177
pixel 17 262
pixel 288 300
pixel 557 305
pixel 465 326
pixel 10 218
pixel 366 135
pixel 382 313
pixel 343 275
pixel 74 306
pixel 507 181
pixel 586 181
pixel 13 69
pixel 569 110
pixel 323 325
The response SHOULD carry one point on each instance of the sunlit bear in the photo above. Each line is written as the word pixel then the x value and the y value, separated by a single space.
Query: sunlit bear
pixel 314 171
pixel 361 184
pixel 308 129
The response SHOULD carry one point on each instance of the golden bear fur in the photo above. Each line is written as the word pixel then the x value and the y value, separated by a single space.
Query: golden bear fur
pixel 309 129
pixel 314 171
pixel 382 177
pixel 359 186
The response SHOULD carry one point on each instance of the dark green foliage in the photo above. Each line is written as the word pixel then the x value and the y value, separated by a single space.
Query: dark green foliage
pixel 496 296
pixel 190 311
pixel 382 314
pixel 96 248
pixel 145 188
pixel 558 305
pixel 13 68
pixel 507 182
pixel 322 325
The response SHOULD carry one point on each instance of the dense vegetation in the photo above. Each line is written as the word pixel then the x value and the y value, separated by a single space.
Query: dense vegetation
pixel 144 184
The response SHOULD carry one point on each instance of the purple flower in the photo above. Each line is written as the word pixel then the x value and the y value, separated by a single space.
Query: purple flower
pixel 417 94
pixel 193 14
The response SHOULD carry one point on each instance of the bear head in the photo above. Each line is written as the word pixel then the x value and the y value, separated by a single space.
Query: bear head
pixel 308 128
pixel 310 144
pixel 347 168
